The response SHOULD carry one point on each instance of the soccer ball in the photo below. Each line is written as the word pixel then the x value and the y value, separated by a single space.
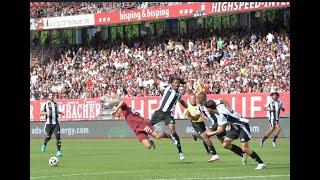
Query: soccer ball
pixel 53 161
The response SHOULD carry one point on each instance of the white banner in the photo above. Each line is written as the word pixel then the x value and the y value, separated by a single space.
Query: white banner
pixel 63 22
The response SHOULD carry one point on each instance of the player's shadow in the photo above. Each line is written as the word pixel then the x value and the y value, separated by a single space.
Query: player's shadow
pixel 181 162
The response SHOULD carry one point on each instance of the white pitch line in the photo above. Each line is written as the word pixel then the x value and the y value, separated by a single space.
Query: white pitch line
pixel 87 174
pixel 233 177
pixel 110 172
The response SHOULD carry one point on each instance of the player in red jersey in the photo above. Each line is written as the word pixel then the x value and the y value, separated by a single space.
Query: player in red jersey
pixel 138 124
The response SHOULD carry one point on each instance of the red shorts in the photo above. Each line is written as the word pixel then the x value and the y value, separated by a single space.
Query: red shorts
pixel 143 130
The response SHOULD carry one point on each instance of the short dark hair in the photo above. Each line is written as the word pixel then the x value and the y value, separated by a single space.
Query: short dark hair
pixel 274 93
pixel 211 104
pixel 47 95
pixel 177 78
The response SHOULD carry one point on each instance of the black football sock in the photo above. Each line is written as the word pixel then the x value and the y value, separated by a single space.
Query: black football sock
pixel 237 150
pixel 212 150
pixel 255 156
pixel 58 145
pixel 179 144
pixel 264 138
pixel 275 138
pixel 58 141
pixel 46 140
pixel 206 147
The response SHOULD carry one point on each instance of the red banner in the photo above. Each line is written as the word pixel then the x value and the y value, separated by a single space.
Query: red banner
pixel 76 109
pixel 248 105
pixel 183 10
pixel 146 14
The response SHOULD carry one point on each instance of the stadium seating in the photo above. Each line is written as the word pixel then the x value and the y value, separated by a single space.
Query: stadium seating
pixel 243 65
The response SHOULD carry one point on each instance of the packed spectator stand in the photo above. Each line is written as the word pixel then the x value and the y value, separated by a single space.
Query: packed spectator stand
pixel 234 61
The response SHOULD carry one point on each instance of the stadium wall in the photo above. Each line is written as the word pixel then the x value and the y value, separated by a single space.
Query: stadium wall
pixel 120 129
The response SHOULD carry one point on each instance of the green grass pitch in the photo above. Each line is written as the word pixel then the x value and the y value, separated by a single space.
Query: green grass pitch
pixel 128 159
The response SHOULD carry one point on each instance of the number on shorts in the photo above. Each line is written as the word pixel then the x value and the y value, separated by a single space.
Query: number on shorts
pixel 147 129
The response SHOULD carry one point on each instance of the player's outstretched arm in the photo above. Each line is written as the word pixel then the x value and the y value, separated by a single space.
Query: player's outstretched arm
pixel 121 103
pixel 155 75
pixel 220 129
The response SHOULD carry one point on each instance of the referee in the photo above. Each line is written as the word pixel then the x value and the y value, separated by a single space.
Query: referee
pixel 170 97
pixel 52 125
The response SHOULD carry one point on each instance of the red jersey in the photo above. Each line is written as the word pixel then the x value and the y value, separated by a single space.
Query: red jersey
pixel 132 118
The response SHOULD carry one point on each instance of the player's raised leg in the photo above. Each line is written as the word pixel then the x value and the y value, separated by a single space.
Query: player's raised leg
pixel 144 139
pixel 159 135
pixel 146 143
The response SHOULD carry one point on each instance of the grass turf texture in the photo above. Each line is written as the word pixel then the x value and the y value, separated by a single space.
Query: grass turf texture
pixel 128 159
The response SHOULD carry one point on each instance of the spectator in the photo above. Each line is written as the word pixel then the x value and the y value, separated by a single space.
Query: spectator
pixel 213 43
pixel 191 46
pixel 269 38
pixel 253 38
pixel 220 43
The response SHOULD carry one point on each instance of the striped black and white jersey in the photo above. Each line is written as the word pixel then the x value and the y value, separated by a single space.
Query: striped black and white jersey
pixel 53 117
pixel 227 115
pixel 275 106
pixel 233 120
pixel 169 98
pixel 210 116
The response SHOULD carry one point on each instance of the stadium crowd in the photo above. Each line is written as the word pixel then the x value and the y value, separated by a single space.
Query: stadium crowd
pixel 230 62
pixel 54 9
